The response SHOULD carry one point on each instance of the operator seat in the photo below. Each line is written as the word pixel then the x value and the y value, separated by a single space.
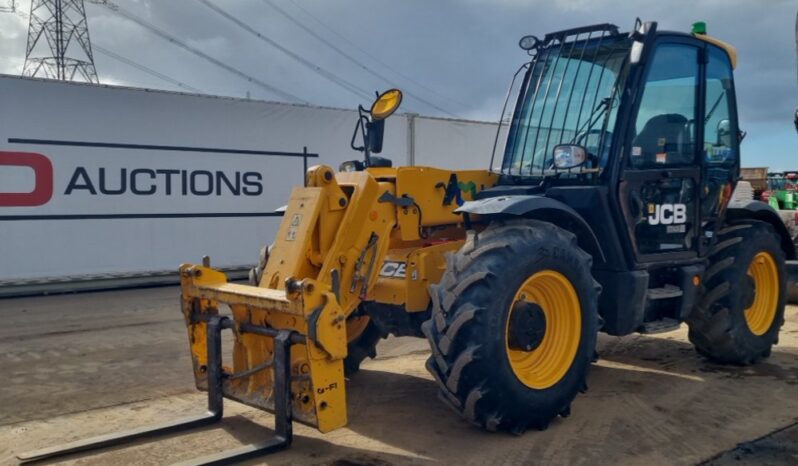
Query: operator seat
pixel 668 134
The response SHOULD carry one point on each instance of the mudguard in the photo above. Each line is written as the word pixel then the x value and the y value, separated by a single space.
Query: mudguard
pixel 542 208
pixel 757 210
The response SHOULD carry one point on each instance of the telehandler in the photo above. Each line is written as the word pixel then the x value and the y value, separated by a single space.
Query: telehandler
pixel 608 211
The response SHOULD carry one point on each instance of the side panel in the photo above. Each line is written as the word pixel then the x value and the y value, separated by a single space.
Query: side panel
pixel 592 204
pixel 406 274
pixel 435 194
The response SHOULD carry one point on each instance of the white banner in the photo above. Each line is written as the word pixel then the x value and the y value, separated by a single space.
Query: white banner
pixel 103 180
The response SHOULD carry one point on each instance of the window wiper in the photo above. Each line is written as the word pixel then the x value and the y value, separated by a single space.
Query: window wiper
pixel 595 116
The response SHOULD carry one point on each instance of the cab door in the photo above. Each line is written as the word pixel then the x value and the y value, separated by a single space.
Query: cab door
pixel 661 172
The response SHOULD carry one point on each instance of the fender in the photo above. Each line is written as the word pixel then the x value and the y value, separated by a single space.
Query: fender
pixel 757 210
pixel 540 208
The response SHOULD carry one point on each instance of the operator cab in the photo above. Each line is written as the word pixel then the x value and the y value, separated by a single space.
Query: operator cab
pixel 649 116
pixel 630 140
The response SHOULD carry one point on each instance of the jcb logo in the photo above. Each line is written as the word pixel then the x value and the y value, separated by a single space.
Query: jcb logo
pixel 393 269
pixel 43 172
pixel 667 214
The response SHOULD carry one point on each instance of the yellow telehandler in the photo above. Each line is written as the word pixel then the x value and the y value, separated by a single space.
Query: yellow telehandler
pixel 608 211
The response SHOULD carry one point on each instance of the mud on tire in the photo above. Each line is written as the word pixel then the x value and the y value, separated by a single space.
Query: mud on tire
pixel 718 327
pixel 467 331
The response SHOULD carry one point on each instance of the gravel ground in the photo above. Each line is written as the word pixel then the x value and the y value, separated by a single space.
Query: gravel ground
pixel 88 364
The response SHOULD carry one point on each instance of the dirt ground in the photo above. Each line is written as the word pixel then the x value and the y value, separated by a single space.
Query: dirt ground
pixel 777 448
pixel 88 364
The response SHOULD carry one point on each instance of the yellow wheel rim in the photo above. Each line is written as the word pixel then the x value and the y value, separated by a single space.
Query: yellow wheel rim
pixel 759 316
pixel 355 327
pixel 550 360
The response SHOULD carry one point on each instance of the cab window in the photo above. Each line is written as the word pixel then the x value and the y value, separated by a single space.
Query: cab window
pixel 720 138
pixel 665 130
pixel 721 144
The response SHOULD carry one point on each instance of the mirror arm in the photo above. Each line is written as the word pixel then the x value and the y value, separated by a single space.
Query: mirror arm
pixel 363 122
pixel 358 126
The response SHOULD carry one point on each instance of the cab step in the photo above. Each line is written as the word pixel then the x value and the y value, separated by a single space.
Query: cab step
pixel 660 326
pixel 666 292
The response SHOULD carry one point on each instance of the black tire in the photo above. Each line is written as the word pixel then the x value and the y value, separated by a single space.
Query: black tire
pixel 718 327
pixel 362 347
pixel 467 329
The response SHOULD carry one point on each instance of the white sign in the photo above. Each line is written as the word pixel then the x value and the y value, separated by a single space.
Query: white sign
pixel 101 180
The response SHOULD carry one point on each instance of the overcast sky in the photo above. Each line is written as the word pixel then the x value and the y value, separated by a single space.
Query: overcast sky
pixel 452 57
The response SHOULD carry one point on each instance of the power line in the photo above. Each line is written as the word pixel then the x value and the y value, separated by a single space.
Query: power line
pixel 313 67
pixel 145 69
pixel 166 36
pixel 351 58
pixel 376 59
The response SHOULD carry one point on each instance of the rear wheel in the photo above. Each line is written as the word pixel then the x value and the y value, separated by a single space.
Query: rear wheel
pixel 738 319
pixel 513 326
pixel 363 337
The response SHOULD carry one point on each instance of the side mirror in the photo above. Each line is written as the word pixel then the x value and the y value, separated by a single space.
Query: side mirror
pixel 723 134
pixel 375 131
pixel 569 156
pixel 795 119
pixel 386 103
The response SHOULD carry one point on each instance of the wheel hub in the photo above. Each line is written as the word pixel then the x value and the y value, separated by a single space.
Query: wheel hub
pixel 548 321
pixel 762 282
pixel 527 326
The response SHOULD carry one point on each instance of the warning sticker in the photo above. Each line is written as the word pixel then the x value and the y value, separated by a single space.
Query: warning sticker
pixel 637 151
pixel 293 227
pixel 675 229
pixel 662 157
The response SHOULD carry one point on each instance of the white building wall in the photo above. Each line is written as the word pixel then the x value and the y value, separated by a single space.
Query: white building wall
pixel 78 232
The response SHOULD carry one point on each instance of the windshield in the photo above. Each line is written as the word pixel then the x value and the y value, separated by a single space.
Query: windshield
pixel 568 97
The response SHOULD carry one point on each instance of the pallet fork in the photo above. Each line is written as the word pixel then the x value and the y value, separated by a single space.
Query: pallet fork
pixel 283 340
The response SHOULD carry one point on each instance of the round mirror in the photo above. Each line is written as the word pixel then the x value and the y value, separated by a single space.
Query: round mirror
pixel 569 156
pixel 386 104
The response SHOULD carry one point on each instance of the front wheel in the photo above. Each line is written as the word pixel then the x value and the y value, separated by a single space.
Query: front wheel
pixel 513 327
pixel 737 321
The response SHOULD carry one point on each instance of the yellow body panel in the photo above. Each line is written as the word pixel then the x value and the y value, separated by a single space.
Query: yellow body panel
pixel 427 187
pixel 382 172
pixel 407 273
pixel 730 49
